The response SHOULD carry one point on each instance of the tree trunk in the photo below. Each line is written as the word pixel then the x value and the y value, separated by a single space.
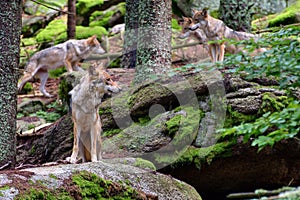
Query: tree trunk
pixel 10 30
pixel 71 32
pixel 154 39
pixel 131 34
pixel 237 14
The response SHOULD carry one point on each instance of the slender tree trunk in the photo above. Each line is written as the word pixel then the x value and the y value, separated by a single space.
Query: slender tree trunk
pixel 131 34
pixel 71 32
pixel 154 39
pixel 10 30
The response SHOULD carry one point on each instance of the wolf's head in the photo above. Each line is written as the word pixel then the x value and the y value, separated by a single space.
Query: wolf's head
pixel 200 19
pixel 101 82
pixel 94 44
pixel 185 23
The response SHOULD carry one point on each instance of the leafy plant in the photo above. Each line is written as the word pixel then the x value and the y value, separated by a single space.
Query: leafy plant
pixel 281 61
pixel 270 128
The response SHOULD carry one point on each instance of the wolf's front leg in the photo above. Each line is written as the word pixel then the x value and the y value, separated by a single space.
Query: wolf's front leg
pixel 96 141
pixel 75 150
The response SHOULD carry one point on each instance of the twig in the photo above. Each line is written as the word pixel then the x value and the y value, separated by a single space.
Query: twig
pixel 6 165
pixel 50 7
pixel 118 54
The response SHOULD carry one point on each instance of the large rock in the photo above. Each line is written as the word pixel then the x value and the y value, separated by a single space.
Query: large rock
pixel 94 180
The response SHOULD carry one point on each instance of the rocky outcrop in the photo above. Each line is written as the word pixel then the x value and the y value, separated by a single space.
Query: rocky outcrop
pixel 93 181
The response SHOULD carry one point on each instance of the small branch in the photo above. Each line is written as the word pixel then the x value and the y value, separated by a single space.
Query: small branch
pixel 118 54
pixel 50 7
pixel 6 165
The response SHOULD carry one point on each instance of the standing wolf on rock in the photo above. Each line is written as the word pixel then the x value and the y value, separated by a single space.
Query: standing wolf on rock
pixel 67 54
pixel 216 30
pixel 86 99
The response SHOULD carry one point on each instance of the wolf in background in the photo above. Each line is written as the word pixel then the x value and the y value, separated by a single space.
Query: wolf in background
pixel 86 99
pixel 216 30
pixel 67 54
pixel 201 37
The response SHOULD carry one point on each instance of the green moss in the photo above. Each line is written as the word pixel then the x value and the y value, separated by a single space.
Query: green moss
pixel 53 31
pixel 173 125
pixel 63 91
pixel 28 41
pixel 85 32
pixel 93 187
pixel 272 103
pixel 287 16
pixel 111 132
pixel 30 126
pixel 116 63
pixel 235 118
pixel 102 18
pixel 56 31
pixel 83 6
pixel 144 164
pixel 27 88
pixel 199 156
pixel 175 25
pixel 44 194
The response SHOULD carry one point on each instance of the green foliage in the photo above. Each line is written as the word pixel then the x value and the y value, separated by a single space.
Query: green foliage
pixel 27 88
pixel 55 73
pixel 280 62
pixel 270 128
pixel 288 16
pixel 49 117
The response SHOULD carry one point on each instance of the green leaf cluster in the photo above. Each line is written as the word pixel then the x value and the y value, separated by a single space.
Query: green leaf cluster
pixel 281 60
pixel 270 128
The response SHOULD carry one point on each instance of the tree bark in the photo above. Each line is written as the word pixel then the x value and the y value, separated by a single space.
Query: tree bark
pixel 237 14
pixel 10 30
pixel 131 34
pixel 71 32
pixel 154 39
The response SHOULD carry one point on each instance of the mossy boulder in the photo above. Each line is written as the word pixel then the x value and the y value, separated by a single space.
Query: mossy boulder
pixel 101 180
pixel 289 15
pixel 110 17
pixel 38 16
pixel 83 6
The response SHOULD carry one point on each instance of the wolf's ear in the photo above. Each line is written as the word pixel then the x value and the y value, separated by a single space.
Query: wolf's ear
pixel 93 71
pixel 194 11
pixel 91 39
pixel 204 12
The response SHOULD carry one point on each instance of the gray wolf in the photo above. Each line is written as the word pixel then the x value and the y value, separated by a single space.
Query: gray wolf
pixel 67 54
pixel 199 34
pixel 119 28
pixel 216 31
pixel 86 99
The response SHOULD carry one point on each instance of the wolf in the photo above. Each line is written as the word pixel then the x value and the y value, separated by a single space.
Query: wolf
pixel 216 31
pixel 199 34
pixel 86 98
pixel 67 54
